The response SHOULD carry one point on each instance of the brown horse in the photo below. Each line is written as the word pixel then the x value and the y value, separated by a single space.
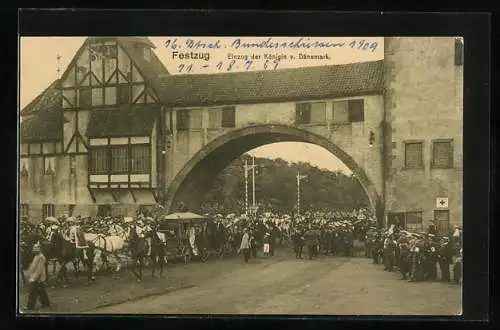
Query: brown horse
pixel 158 251
pixel 138 247
pixel 65 251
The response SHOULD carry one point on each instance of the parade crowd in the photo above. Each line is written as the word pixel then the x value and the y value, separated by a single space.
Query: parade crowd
pixel 415 256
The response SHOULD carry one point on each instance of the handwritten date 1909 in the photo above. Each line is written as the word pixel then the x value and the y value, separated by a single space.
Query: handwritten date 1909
pixel 232 65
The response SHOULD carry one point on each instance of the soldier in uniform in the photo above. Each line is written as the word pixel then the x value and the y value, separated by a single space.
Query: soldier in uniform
pixel 445 259
pixel 431 259
pixel 403 256
pixel 417 260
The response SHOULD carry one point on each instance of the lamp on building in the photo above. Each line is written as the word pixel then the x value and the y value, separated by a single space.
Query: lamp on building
pixel 372 138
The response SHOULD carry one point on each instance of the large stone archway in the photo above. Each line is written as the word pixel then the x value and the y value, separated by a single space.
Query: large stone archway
pixel 197 176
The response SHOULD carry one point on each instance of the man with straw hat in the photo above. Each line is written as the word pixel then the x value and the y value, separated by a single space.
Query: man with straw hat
pixel 37 277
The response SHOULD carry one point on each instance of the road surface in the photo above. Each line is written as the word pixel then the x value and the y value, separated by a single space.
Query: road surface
pixel 285 285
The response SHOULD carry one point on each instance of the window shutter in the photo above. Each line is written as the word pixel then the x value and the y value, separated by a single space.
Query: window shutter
pixel 303 113
pixel 228 117
pixel 124 94
pixel 442 154
pixel 214 118
pixel 356 110
pixel 318 112
pixel 85 98
pixel 341 112
pixel 413 155
pixel 182 120
pixel 195 118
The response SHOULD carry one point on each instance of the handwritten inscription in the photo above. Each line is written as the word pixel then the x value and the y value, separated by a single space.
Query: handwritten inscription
pixel 193 55
pixel 269 43
pixel 230 65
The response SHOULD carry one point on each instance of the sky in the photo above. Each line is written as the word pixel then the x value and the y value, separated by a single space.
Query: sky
pixel 39 64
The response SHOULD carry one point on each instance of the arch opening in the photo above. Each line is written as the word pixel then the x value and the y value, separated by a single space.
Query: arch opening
pixel 197 176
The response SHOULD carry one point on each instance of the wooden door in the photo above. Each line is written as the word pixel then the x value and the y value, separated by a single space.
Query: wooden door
pixel 442 219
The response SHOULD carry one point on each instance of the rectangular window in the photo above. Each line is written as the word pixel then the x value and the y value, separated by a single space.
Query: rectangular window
pixel 97 97
pixel 413 155
pixel 24 210
pixel 124 94
pixel 195 118
pixel 182 120
pixel 49 165
pixel 229 117
pixel 85 97
pixel 459 51
pixel 396 219
pixel 442 154
pixel 110 96
pixel 414 221
pixel 442 219
pixel 140 158
pixel 48 210
pixel 341 112
pixel 356 110
pixel 303 113
pixel 119 159
pixel 99 160
pixel 214 118
pixel 318 112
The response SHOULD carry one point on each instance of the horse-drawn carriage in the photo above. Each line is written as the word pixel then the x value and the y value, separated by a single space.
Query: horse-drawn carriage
pixel 184 235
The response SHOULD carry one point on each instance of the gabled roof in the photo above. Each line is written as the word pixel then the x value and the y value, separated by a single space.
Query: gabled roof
pixel 137 120
pixel 49 99
pixel 272 86
pixel 150 69
pixel 42 117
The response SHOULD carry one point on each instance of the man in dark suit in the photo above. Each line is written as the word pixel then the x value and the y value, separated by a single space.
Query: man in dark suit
pixel 310 242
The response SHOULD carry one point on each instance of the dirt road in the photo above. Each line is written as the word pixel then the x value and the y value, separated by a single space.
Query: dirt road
pixel 285 285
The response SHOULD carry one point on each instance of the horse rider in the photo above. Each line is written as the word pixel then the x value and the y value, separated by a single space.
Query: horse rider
pixel 132 235
pixel 54 230
pixel 77 236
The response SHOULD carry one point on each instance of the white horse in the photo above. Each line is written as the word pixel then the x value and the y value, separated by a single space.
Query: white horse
pixel 112 244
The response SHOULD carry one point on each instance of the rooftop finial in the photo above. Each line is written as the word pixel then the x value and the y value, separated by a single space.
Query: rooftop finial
pixel 58 57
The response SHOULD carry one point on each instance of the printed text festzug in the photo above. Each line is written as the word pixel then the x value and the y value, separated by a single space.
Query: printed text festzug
pixel 191 56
